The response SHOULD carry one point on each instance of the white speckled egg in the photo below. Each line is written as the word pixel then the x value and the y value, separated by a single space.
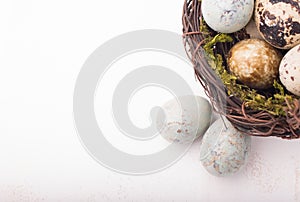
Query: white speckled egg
pixel 278 22
pixel 184 119
pixel 289 70
pixel 224 150
pixel 227 16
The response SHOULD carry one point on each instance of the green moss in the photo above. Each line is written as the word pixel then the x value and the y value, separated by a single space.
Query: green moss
pixel 274 105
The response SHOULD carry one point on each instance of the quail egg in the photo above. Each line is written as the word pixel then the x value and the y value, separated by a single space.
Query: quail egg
pixel 279 22
pixel 289 70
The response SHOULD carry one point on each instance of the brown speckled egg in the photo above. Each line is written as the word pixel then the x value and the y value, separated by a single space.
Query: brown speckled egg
pixel 278 21
pixel 255 63
pixel 289 70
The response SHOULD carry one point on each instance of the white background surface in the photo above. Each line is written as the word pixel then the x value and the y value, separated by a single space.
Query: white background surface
pixel 43 45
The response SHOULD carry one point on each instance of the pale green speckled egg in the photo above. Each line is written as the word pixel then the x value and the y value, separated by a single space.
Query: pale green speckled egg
pixel 224 150
pixel 227 16
pixel 184 119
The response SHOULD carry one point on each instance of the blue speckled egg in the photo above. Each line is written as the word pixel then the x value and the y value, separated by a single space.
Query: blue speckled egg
pixel 184 119
pixel 224 150
pixel 227 16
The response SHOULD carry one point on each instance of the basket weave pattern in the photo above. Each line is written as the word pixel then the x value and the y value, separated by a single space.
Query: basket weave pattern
pixel 249 121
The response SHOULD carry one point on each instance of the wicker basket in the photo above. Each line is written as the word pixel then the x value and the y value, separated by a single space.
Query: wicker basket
pixel 249 121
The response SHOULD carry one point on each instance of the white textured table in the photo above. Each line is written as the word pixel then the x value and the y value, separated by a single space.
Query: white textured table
pixel 43 46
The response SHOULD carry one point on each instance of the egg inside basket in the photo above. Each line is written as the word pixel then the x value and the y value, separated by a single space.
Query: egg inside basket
pixel 258 112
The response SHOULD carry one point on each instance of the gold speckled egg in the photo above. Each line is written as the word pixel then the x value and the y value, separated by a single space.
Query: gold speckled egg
pixel 255 63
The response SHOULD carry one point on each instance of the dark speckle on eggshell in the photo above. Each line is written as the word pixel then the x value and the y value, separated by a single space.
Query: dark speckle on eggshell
pixel 294 4
pixel 271 33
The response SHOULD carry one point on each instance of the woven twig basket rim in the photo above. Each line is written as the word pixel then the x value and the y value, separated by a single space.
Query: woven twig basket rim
pixel 248 121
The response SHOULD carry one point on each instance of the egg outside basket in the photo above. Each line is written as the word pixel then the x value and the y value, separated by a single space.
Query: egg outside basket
pixel 271 117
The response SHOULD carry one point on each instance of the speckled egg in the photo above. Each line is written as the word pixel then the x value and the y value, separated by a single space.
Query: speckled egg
pixel 224 150
pixel 279 22
pixel 184 119
pixel 289 70
pixel 255 63
pixel 227 16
